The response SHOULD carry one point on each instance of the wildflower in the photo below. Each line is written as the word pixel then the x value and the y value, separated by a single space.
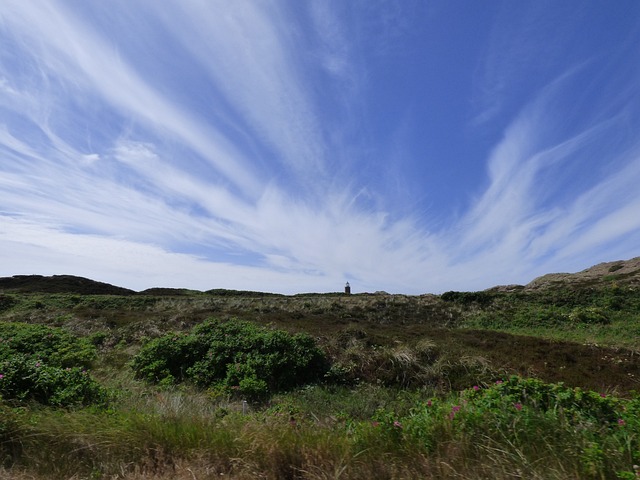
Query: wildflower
pixel 375 424
pixel 476 388
pixel 455 409
pixel 37 364
pixel 517 406
pixel 397 424
pixel 498 382
pixel 1 376
pixel 429 403
pixel 603 395
pixel 621 422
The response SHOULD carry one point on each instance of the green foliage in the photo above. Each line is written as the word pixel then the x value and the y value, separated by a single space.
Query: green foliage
pixel 240 356
pixel 589 315
pixel 601 315
pixel 47 365
pixel 98 338
pixel 468 298
pixel 520 428
pixel 55 346
pixel 529 425
pixel 574 404
pixel 526 316
pixel 23 378
pixel 165 359
pixel 117 302
pixel 224 292
pixel 6 302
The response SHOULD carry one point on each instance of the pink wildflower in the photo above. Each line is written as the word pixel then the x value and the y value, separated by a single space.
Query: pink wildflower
pixel 476 388
pixel 429 403
pixel 455 409
pixel 621 422
pixel 1 376
pixel 397 424
pixel 517 406
pixel 498 382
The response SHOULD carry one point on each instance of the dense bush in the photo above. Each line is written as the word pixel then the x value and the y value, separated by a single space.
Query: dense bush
pixel 589 315
pixel 47 365
pixel 235 356
pixel 524 422
pixel 55 346
pixel 468 298
pixel 574 404
pixel 23 378
pixel 6 302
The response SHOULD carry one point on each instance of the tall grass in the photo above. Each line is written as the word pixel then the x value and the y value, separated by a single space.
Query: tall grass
pixel 519 429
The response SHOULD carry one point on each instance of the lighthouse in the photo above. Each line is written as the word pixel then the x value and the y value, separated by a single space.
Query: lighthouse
pixel 347 288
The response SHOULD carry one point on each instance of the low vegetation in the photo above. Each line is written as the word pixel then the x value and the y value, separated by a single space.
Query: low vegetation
pixel 233 357
pixel 532 382
pixel 46 365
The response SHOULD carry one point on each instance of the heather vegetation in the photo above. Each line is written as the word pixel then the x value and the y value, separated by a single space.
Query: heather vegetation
pixel 514 382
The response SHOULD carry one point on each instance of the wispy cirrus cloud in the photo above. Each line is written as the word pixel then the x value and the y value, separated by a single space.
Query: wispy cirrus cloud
pixel 529 217
pixel 230 144
pixel 252 56
pixel 66 50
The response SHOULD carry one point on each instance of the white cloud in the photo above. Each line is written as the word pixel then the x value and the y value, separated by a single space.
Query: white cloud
pixel 170 191
pixel 528 221
pixel 251 55
pixel 65 47
pixel 40 249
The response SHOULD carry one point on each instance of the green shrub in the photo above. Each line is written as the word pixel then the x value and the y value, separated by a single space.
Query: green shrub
pixel 55 346
pixel 468 298
pixel 97 339
pixel 589 315
pixel 237 355
pixel 166 359
pixel 540 316
pixel 529 424
pixel 574 404
pixel 23 378
pixel 47 365
pixel 6 302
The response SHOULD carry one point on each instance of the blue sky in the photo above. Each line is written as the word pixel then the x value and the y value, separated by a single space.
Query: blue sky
pixel 291 146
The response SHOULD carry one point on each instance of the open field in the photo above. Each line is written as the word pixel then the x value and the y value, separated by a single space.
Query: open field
pixel 462 385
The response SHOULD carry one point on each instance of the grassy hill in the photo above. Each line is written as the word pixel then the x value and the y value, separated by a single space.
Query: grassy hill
pixel 386 356
pixel 59 284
